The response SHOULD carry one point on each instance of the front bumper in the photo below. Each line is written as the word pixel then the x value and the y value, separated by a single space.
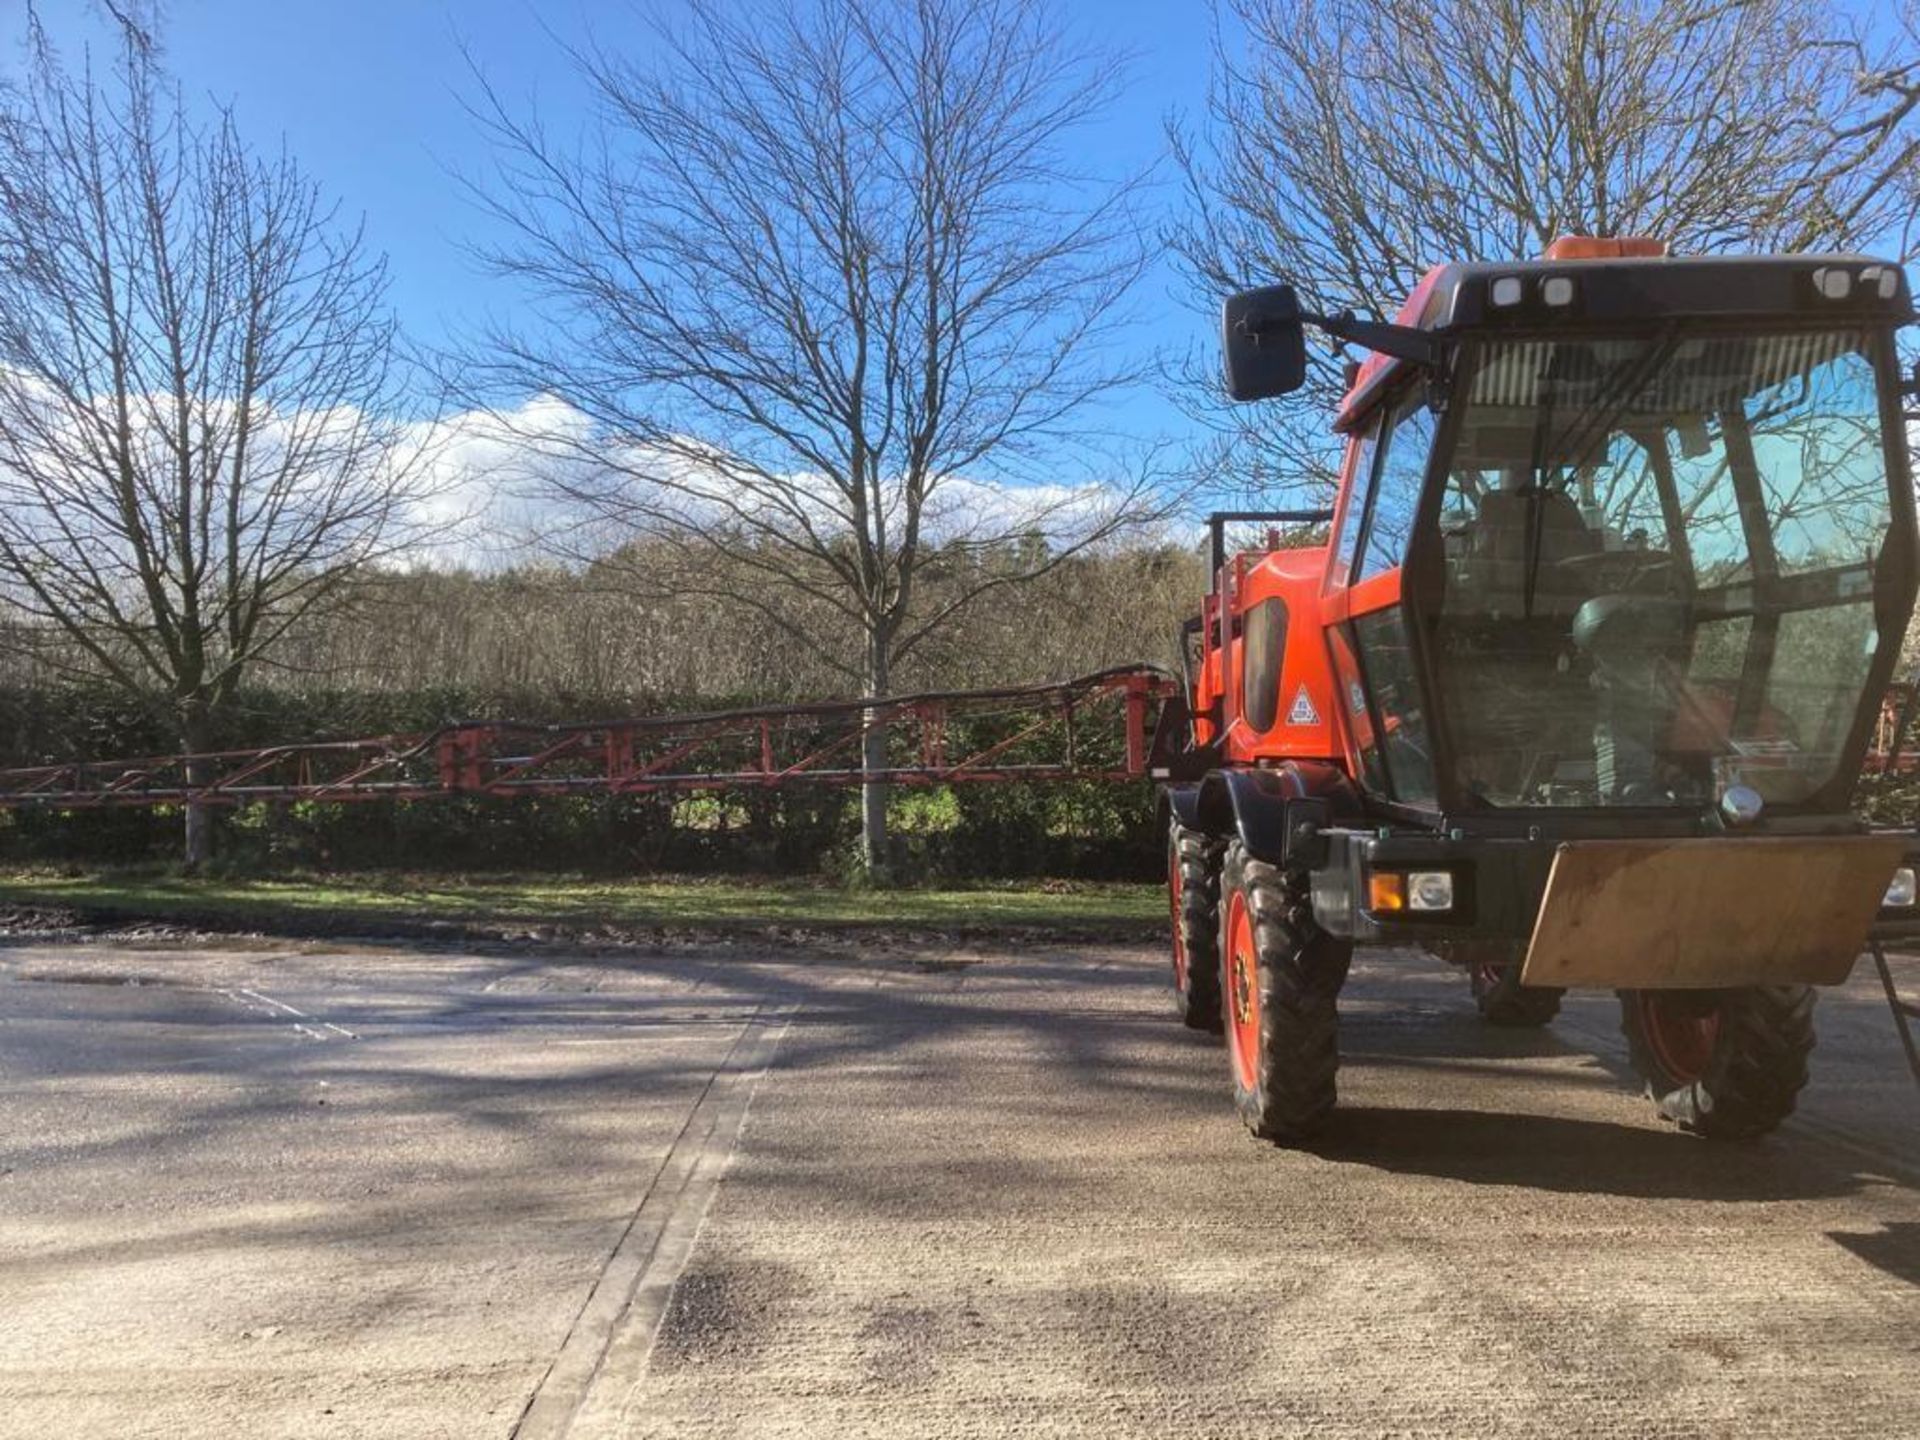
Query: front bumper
pixel 1790 903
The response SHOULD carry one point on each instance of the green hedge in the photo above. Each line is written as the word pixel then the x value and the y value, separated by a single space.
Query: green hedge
pixel 1085 830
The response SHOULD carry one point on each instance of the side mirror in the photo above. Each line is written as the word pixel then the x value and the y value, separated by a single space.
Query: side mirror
pixel 1264 345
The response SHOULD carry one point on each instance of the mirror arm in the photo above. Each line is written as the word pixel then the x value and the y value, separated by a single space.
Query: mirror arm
pixel 1403 342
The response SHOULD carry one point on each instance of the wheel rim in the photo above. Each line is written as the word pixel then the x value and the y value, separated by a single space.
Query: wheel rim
pixel 1243 991
pixel 1680 1035
pixel 1175 884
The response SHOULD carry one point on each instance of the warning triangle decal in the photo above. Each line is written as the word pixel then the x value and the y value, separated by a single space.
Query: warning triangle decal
pixel 1303 712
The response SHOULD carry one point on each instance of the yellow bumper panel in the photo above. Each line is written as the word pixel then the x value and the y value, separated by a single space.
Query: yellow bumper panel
pixel 1701 914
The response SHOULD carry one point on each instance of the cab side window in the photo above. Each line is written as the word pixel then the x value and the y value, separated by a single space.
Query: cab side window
pixel 1359 489
pixel 1265 642
pixel 1396 490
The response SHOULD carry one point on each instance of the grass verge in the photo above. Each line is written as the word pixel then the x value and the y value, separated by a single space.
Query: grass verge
pixel 368 902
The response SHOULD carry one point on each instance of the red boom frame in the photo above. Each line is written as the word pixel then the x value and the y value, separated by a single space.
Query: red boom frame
pixel 723 749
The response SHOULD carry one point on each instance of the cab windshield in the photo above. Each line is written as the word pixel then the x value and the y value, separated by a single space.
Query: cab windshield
pixel 1659 567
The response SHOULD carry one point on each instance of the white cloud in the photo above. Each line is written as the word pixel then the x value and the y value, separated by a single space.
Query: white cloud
pixel 531 481
pixel 482 477
pixel 489 487
pixel 309 486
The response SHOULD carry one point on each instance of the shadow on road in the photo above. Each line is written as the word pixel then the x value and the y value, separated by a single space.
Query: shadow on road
pixel 423 1065
pixel 1894 1248
pixel 1550 1152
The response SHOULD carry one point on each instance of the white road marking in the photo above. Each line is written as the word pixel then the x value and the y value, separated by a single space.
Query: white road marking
pixel 254 1000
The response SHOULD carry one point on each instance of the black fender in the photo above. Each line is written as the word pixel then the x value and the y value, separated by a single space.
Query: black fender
pixel 1277 814
pixel 1182 802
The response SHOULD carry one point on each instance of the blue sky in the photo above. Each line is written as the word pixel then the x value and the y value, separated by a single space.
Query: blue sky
pixel 367 95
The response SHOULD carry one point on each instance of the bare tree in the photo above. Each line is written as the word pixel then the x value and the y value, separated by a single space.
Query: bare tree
pixel 828 289
pixel 197 385
pixel 1352 143
pixel 137 23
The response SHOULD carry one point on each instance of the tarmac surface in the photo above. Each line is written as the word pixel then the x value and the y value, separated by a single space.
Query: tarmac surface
pixel 259 1190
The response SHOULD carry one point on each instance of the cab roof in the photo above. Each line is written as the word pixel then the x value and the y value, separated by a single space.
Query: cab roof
pixel 1613 291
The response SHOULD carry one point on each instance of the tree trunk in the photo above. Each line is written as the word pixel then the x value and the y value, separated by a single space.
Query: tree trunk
pixel 873 759
pixel 196 732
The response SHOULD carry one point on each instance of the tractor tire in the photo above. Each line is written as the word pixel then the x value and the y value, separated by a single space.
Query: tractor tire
pixel 1280 980
pixel 1504 1001
pixel 1193 894
pixel 1725 1064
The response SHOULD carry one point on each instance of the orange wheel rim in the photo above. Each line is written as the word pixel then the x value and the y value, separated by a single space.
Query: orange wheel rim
pixel 1243 992
pixel 1681 1037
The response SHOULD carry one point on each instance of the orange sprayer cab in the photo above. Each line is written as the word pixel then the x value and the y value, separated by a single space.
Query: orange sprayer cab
pixel 1571 684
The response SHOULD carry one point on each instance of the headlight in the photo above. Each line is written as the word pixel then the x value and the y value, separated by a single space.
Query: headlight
pixel 1426 891
pixel 1433 890
pixel 1900 894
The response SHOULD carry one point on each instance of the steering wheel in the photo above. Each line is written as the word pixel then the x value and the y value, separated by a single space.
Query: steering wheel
pixel 1615 569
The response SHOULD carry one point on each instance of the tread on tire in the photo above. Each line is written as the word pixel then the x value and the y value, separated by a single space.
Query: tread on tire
pixel 1725 1064
pixel 1193 893
pixel 1280 984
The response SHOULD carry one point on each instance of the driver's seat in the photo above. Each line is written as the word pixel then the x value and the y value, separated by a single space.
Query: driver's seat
pixel 1499 553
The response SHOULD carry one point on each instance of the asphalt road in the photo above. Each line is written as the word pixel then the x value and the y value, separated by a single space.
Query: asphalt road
pixel 260 1191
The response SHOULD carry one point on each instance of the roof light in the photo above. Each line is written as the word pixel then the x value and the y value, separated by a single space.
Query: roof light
pixel 1506 290
pixel 1594 247
pixel 1883 280
pixel 1557 290
pixel 1833 282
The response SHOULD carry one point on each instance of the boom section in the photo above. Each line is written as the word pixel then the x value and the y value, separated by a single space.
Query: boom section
pixel 1095 727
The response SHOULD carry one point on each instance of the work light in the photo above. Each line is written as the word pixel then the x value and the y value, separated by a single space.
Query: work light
pixel 1900 892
